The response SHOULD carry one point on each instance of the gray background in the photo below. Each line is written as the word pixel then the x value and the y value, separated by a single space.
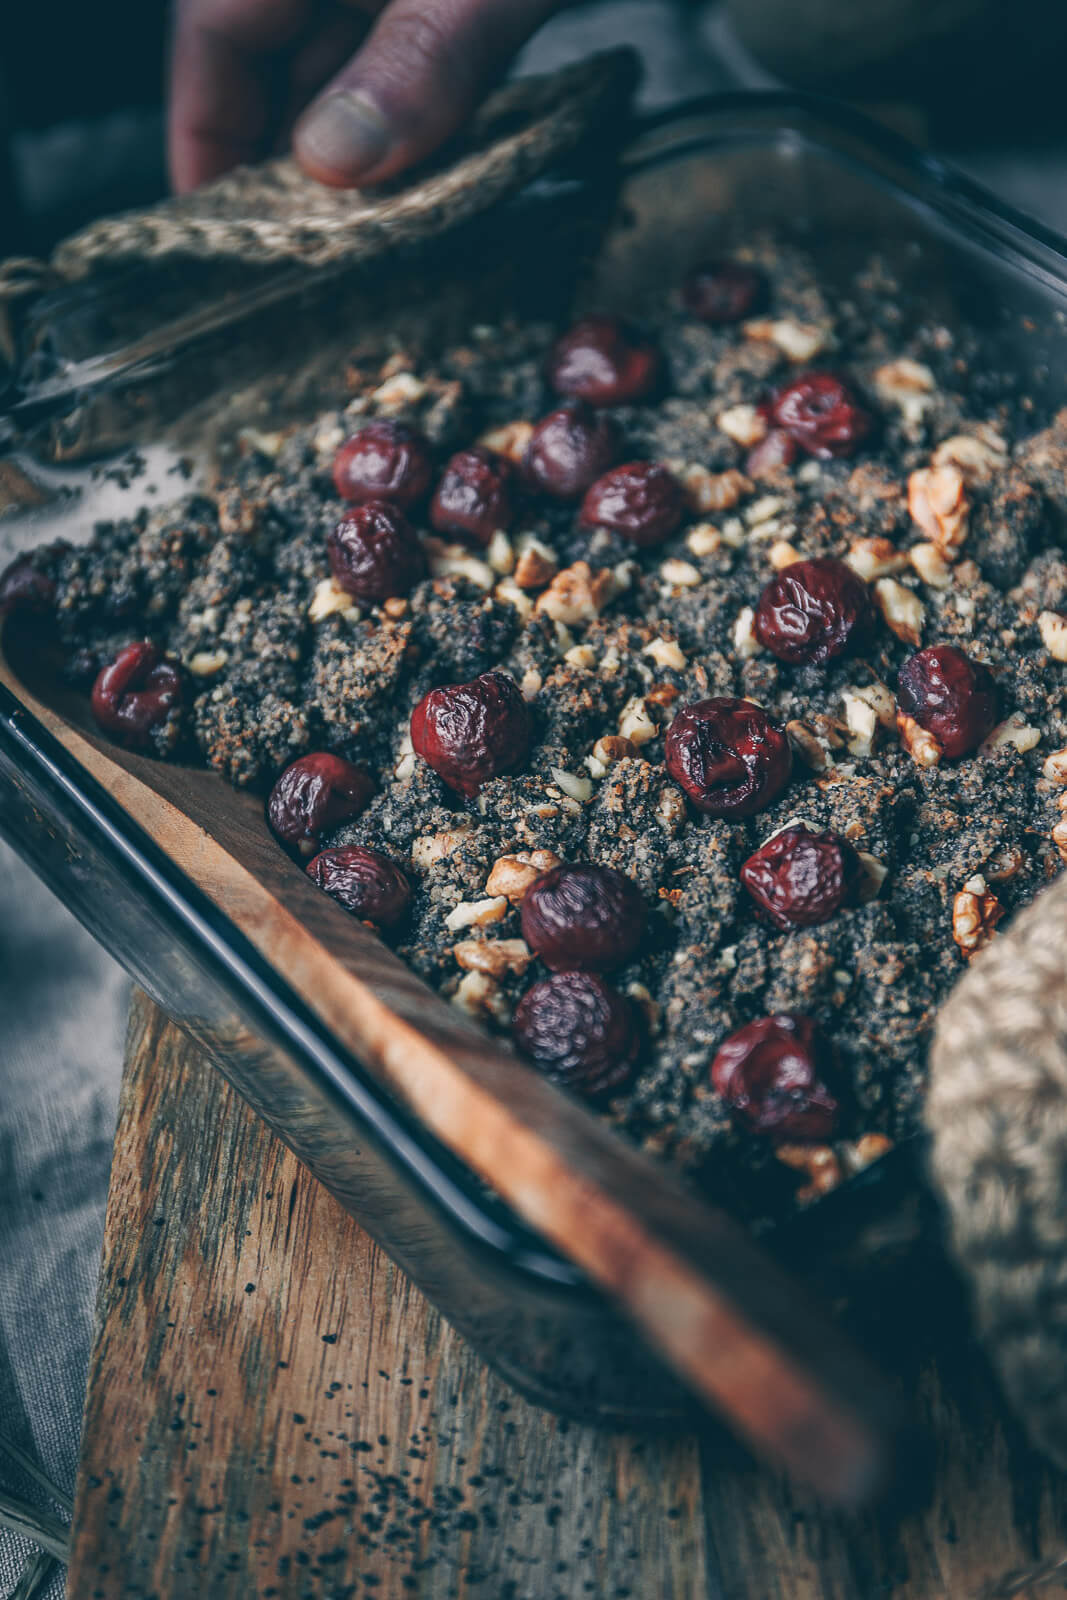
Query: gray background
pixel 62 1000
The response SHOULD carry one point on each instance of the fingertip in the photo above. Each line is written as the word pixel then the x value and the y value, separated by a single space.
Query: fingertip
pixel 343 139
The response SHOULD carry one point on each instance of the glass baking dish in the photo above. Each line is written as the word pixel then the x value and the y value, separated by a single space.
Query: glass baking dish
pixel 689 183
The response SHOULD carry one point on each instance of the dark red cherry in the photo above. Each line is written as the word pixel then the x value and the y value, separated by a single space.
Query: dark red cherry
pixel 24 587
pixel 721 292
pixel 799 878
pixel 773 453
pixel 584 917
pixel 315 794
pixel 375 553
pixel 771 1075
pixel 949 694
pixel 642 501
pixel 474 496
pixel 365 882
pixel 813 611
pixel 570 449
pixel 605 362
pixel 471 732
pixel 138 697
pixel 383 461
pixel 580 1032
pixel 727 756
pixel 822 413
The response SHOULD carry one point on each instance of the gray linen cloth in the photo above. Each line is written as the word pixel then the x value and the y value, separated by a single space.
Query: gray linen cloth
pixel 63 1001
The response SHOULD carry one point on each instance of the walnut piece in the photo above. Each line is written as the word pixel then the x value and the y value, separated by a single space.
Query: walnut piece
pixel 909 385
pixel 921 746
pixel 978 455
pixel 510 439
pixel 818 1161
pixel 744 424
pixel 931 565
pixel 494 957
pixel 876 558
pixel 744 634
pixel 476 913
pixel 328 600
pixel 536 565
pixel 806 745
pixel 577 594
pixel 1053 629
pixel 613 747
pixel 714 491
pixel 433 847
pixel 975 914
pixel 938 504
pixel 902 609
pixel 512 875
pixel 1055 767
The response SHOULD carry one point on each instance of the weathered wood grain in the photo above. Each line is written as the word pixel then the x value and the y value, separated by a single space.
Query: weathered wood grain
pixel 273 1410
pixel 728 1320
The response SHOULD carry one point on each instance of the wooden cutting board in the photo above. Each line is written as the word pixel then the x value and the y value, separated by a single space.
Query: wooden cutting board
pixel 274 1411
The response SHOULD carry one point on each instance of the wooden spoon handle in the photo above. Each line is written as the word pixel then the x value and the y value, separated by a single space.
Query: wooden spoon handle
pixel 735 1326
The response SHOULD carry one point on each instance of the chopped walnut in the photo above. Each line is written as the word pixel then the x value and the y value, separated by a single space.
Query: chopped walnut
pixel 476 913
pixel 902 609
pixel 328 600
pixel 577 594
pixel 666 653
pixel 494 957
pixel 1059 838
pixel 861 720
pixel 396 607
pixel 745 425
pixel 975 914
pixel 635 723
pixel 670 811
pixel 704 539
pixel 478 994
pixel 398 392
pixel 714 491
pixel 508 590
pixel 806 745
pixel 575 787
pixel 1053 629
pixel 510 439
pixel 931 565
pixel 978 455
pixel 536 563
pixel 744 634
pixel 864 1151
pixel 783 554
pixel 1014 730
pixel 922 747
pixel 875 872
pixel 798 341
pixel 512 875
pixel 680 574
pixel 205 663
pixel 818 1161
pixel 907 384
pixel 433 847
pixel 876 558
pixel 1055 767
pixel 455 560
pixel 938 504
pixel 500 555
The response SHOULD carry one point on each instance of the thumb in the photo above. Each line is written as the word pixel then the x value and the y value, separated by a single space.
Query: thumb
pixel 415 81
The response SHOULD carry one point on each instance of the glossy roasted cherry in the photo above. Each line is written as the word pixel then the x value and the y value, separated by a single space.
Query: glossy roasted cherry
pixel 471 732
pixel 365 882
pixel 813 611
pixel 570 449
pixel 605 362
pixel 727 756
pixel 474 496
pixel 822 413
pixel 583 917
pixel 580 1032
pixel 774 452
pixel 25 588
pixel 950 695
pixel 721 292
pixel 375 553
pixel 137 695
pixel 771 1075
pixel 384 461
pixel 315 794
pixel 642 501
pixel 799 878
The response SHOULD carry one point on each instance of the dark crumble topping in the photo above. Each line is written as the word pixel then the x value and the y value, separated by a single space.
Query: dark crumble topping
pixel 952 510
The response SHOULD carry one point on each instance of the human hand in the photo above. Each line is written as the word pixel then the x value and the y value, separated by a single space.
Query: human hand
pixel 387 80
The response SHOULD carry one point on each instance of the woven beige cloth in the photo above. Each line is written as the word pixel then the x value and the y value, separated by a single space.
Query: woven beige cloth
pixel 997 1109
pixel 273 213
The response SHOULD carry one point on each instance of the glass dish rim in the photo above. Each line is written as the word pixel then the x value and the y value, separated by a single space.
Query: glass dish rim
pixel 923 183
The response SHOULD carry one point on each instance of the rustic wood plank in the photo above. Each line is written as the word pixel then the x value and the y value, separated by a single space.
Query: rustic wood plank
pixel 273 1409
